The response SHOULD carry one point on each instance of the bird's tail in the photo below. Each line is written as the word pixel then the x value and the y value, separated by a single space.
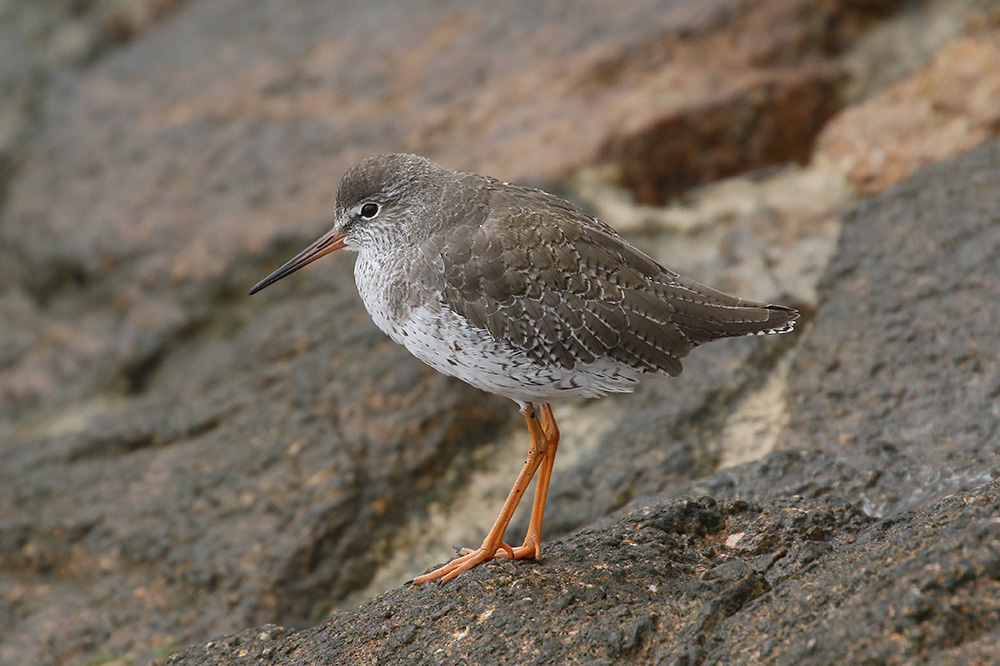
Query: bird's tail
pixel 705 314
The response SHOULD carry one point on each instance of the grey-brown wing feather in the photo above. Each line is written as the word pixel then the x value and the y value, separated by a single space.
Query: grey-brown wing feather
pixel 565 289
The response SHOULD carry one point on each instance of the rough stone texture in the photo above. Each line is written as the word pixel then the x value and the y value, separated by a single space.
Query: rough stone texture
pixel 894 395
pixel 691 582
pixel 178 461
pixel 941 110
pixel 607 597
pixel 43 39
pixel 786 581
pixel 162 170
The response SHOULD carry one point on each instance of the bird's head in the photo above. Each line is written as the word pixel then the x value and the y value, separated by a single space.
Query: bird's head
pixel 380 203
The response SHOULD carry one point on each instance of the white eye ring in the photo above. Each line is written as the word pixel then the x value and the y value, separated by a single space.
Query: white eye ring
pixel 369 210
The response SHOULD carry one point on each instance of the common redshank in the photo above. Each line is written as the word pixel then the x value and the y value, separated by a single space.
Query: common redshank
pixel 521 294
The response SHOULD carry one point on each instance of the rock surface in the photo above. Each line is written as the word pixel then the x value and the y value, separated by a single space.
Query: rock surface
pixel 178 461
pixel 946 108
pixel 893 394
pixel 691 582
pixel 788 581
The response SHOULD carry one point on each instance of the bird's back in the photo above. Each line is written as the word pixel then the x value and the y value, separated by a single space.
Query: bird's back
pixel 566 290
pixel 523 294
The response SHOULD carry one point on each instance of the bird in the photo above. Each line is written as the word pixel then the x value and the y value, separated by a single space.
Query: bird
pixel 519 293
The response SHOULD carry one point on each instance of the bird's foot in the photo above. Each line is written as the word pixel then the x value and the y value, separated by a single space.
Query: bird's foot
pixel 503 550
pixel 531 550
pixel 461 563
pixel 471 557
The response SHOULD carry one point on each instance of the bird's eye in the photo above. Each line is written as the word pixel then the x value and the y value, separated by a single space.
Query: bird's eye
pixel 369 210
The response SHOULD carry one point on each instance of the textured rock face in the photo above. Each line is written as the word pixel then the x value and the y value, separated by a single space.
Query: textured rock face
pixel 895 384
pixel 178 461
pixel 794 580
pixel 943 109
pixel 692 581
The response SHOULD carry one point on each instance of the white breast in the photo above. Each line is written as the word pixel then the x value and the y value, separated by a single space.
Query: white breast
pixel 442 339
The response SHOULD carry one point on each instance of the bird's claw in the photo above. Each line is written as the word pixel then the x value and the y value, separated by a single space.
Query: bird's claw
pixel 503 550
pixel 471 557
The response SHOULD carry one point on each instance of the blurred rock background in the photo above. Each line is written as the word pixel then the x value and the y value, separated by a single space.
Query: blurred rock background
pixel 179 461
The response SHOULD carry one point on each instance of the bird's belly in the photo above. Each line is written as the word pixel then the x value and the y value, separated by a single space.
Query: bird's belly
pixel 449 344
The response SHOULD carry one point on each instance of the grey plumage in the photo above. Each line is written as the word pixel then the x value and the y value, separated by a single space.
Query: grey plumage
pixel 519 293
pixel 515 290
pixel 542 275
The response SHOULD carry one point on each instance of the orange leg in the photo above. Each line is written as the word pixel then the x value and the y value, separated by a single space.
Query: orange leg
pixel 533 539
pixel 493 545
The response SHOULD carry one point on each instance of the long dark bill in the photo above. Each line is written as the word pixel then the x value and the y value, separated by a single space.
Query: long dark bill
pixel 325 245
